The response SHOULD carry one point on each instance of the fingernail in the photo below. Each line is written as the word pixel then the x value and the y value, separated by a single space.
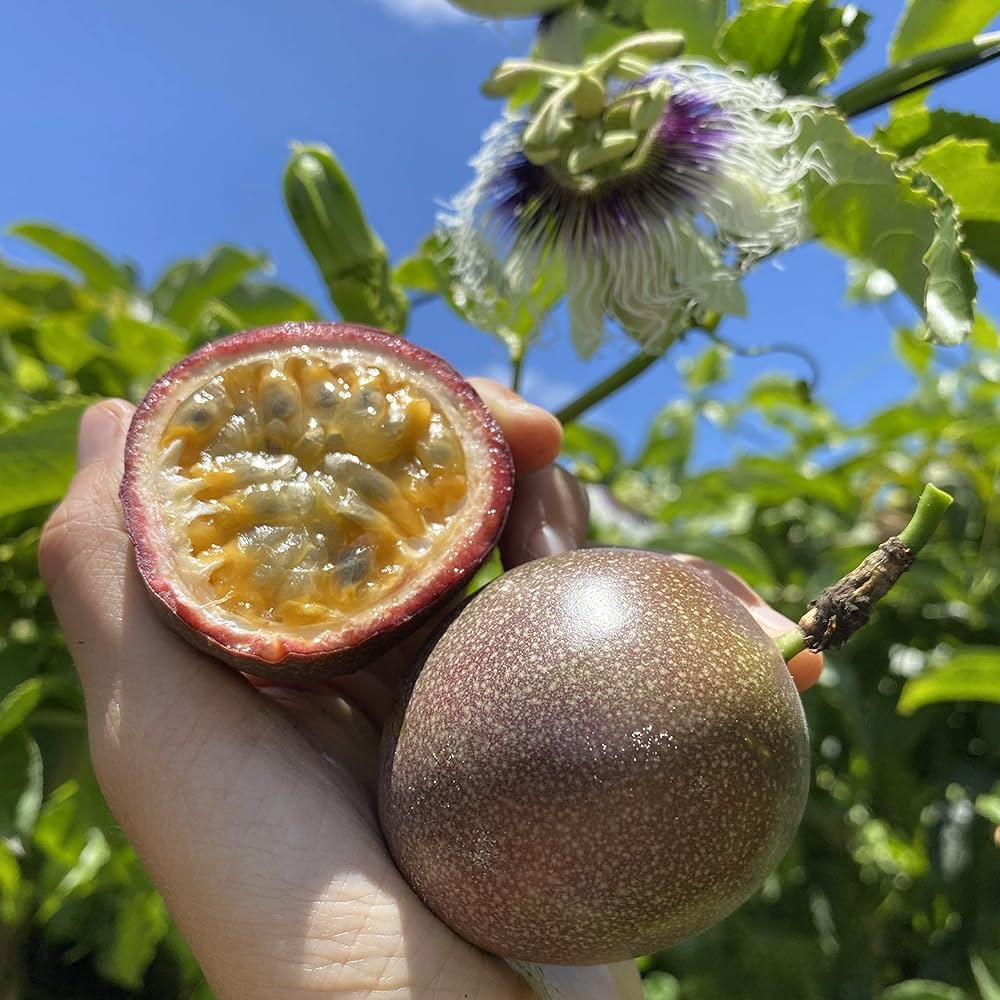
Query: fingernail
pixel 771 621
pixel 100 428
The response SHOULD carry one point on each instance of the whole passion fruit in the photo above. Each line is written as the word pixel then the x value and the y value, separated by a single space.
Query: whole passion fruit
pixel 603 754
pixel 299 495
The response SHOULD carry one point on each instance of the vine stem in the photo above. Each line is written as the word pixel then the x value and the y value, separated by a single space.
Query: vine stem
pixel 618 379
pixel 918 72
pixel 839 611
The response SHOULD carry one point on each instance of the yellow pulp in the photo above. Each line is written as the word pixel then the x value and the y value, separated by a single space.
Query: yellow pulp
pixel 313 489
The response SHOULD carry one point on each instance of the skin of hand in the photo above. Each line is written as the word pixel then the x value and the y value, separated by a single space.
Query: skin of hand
pixel 252 805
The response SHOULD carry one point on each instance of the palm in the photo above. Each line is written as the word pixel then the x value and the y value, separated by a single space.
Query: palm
pixel 253 807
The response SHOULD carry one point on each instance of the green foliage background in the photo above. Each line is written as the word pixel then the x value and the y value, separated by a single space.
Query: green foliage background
pixel 892 888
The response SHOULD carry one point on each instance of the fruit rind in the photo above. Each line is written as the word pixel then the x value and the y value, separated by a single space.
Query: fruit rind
pixel 287 656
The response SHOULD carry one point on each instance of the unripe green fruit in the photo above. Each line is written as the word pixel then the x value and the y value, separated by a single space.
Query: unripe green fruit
pixel 603 754
pixel 510 8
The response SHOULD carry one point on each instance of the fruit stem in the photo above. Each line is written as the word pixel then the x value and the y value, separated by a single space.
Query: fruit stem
pixel 839 611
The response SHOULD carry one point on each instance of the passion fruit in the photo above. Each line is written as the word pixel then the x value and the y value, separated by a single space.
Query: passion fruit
pixel 602 755
pixel 300 495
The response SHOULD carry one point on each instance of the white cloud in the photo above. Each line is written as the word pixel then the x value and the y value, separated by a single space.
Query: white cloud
pixel 425 11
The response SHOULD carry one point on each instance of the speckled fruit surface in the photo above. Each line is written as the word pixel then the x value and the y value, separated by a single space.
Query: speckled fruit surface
pixel 602 755
pixel 300 495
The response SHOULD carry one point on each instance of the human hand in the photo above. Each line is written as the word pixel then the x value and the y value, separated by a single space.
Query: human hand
pixel 252 806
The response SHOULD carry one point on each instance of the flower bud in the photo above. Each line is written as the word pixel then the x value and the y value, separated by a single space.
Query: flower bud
pixel 351 258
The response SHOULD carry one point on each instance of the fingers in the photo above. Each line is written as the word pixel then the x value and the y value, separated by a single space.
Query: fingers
pixel 574 982
pixel 548 516
pixel 533 434
pixel 804 668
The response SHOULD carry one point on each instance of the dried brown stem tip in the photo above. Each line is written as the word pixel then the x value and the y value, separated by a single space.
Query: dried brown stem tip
pixel 839 611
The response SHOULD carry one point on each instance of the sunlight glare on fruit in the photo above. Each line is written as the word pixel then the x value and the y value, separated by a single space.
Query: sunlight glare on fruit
pixel 310 487
pixel 595 611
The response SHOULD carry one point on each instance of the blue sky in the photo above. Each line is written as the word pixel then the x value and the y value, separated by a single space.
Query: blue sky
pixel 158 130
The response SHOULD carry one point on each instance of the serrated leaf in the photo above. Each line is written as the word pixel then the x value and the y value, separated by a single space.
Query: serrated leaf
pixel 37 455
pixel 189 285
pixel 933 24
pixel 698 20
pixel 908 133
pixel 801 42
pixel 97 270
pixel 969 171
pixel 951 286
pixel 866 211
pixel 972 674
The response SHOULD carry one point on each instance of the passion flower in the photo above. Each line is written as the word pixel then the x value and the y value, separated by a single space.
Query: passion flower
pixel 649 198
pixel 299 495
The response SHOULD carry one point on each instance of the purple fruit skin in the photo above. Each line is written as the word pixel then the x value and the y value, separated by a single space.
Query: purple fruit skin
pixel 601 756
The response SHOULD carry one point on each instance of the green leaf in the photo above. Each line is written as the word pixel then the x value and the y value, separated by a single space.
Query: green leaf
pixel 868 212
pixel 261 303
pixel 802 42
pixel 515 320
pixel 37 455
pixel 908 133
pixel 933 24
pixel 988 806
pixel 989 988
pixel 972 674
pixel 142 350
pixel 922 989
pixel 29 805
pixel 707 368
pixel 64 340
pixel 95 855
pixel 593 455
pixel 10 885
pixel 97 270
pixel 699 20
pixel 671 438
pixel 36 291
pixel 915 353
pixel 189 285
pixel 140 924
pixel 969 171
pixel 19 703
pixel 951 286
pixel 661 986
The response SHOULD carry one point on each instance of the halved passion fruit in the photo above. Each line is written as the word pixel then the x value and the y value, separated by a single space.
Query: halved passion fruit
pixel 299 495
